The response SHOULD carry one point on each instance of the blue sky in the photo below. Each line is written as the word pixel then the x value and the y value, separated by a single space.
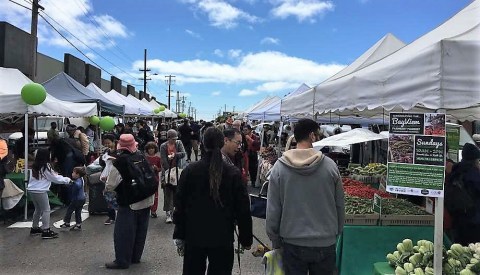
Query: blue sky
pixel 232 52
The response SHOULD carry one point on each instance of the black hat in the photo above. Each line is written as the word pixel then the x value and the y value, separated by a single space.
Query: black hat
pixel 470 152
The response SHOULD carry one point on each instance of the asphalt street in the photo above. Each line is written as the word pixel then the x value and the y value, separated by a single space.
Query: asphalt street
pixel 86 251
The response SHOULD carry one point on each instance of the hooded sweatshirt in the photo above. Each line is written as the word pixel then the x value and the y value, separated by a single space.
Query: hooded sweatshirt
pixel 305 205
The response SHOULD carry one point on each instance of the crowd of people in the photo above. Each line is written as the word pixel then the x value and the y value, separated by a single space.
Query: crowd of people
pixel 203 170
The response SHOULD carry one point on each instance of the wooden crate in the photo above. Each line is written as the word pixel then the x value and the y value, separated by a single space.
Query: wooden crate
pixel 417 220
pixel 362 219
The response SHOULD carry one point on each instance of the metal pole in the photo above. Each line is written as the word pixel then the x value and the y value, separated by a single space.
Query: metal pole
pixel 25 170
pixel 144 71
pixel 33 32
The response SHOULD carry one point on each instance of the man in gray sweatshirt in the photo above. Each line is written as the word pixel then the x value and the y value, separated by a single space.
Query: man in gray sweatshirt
pixel 305 205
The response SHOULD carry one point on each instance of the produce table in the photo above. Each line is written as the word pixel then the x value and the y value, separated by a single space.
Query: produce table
pixel 363 246
pixel 18 178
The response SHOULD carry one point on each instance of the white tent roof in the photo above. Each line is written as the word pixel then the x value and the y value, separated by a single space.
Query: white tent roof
pixel 357 135
pixel 269 101
pixel 151 103
pixel 114 96
pixel 440 70
pixel 271 112
pixel 11 84
pixel 146 107
pixel 302 105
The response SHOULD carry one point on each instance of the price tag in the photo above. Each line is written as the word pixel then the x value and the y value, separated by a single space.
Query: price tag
pixel 377 204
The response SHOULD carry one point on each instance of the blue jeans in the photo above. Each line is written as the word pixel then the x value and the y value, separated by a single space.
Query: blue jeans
pixel 76 206
pixel 129 234
pixel 299 260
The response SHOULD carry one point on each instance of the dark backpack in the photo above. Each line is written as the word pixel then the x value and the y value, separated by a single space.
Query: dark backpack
pixel 142 183
pixel 458 199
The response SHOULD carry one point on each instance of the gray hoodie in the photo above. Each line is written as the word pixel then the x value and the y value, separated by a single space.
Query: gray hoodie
pixel 305 204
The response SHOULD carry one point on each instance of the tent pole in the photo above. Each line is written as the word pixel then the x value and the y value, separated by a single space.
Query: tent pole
pixel 25 170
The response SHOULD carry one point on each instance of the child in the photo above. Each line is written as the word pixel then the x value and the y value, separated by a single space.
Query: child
pixel 78 200
pixel 151 150
pixel 106 161
pixel 41 178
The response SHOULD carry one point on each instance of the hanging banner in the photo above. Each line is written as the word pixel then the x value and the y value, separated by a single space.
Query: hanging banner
pixel 453 141
pixel 416 154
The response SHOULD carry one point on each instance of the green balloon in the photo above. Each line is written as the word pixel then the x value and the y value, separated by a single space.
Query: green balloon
pixel 107 123
pixel 182 115
pixel 33 94
pixel 94 120
pixel 156 110
pixel 161 108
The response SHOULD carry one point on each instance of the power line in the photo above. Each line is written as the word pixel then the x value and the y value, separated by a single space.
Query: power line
pixel 20 5
pixel 85 45
pixel 95 23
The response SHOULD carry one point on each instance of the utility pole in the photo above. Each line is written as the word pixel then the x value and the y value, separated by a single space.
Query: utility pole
pixel 33 33
pixel 183 104
pixel 190 109
pixel 233 110
pixel 225 108
pixel 145 70
pixel 177 107
pixel 168 81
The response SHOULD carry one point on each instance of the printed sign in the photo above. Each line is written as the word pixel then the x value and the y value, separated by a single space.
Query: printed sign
pixel 453 141
pixel 377 204
pixel 416 154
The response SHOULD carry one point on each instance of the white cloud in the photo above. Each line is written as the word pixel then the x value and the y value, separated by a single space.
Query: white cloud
pixel 270 40
pixel 301 9
pixel 277 86
pixel 70 15
pixel 218 52
pixel 246 92
pixel 256 68
pixel 90 55
pixel 222 14
pixel 216 93
pixel 234 53
pixel 193 34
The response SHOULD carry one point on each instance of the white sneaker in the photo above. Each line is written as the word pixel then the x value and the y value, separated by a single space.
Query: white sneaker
pixel 169 217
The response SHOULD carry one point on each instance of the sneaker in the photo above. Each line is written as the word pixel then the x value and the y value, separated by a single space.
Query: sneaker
pixel 49 234
pixel 169 217
pixel 65 225
pixel 35 231
pixel 76 227
pixel 153 215
pixel 108 221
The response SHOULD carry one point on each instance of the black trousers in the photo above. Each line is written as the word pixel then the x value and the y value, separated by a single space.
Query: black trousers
pixel 253 167
pixel 129 234
pixel 188 149
pixel 76 206
pixel 220 260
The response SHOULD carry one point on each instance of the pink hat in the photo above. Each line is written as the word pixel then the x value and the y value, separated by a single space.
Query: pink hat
pixel 127 142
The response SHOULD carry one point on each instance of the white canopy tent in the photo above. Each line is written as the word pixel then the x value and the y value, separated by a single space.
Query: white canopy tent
pixel 11 84
pixel 438 71
pixel 302 105
pixel 354 136
pixel 153 104
pixel 128 108
pixel 271 112
pixel 256 105
pixel 146 108
pixel 254 114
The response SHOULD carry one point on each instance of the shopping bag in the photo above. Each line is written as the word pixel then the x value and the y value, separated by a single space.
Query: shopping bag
pixel 173 175
pixel 258 203
pixel 273 262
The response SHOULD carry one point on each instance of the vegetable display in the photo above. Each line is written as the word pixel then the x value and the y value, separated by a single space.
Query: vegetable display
pixel 418 260
pixel 370 170
pixel 357 188
pixel 395 206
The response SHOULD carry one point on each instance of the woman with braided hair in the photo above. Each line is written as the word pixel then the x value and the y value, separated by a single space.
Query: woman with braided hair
pixel 210 200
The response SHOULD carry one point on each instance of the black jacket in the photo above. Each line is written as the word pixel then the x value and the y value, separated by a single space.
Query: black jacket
pixel 201 222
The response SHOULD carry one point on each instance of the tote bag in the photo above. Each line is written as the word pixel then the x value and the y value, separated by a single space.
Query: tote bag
pixel 173 174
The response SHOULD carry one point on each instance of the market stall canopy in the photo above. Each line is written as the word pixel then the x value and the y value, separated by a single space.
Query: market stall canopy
pixel 438 71
pixel 63 87
pixel 302 106
pixel 271 112
pixel 144 109
pixel 249 109
pixel 130 108
pixel 268 102
pixel 11 84
pixel 354 136
pixel 99 93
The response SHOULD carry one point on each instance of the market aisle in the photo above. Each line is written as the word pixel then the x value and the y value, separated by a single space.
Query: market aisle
pixel 86 252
